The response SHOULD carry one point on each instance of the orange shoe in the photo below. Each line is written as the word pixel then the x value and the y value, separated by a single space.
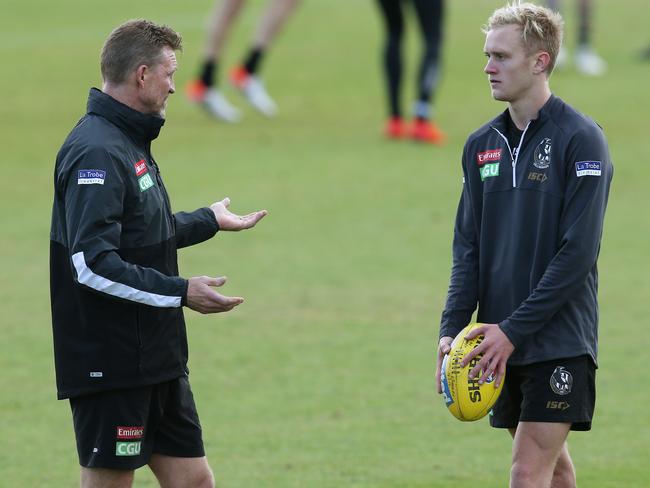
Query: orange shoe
pixel 195 91
pixel 253 90
pixel 212 100
pixel 395 128
pixel 238 77
pixel 426 131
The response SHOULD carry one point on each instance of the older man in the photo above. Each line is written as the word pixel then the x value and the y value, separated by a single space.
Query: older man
pixel 120 342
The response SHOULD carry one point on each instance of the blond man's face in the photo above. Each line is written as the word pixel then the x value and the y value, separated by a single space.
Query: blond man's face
pixel 509 68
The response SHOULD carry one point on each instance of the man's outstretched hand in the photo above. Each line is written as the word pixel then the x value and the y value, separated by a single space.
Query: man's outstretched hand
pixel 233 222
pixel 202 298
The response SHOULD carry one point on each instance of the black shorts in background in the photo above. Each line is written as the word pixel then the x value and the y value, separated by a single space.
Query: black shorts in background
pixel 560 390
pixel 121 429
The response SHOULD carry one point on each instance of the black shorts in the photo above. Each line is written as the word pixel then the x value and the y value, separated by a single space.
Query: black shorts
pixel 561 390
pixel 120 429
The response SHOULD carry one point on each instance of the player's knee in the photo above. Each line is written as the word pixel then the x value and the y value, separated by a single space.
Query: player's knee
pixel 205 479
pixel 522 475
pixel 563 481
pixel 563 477
pixel 91 477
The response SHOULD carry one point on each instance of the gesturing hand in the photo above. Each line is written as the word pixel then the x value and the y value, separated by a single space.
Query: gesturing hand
pixel 230 221
pixel 496 349
pixel 203 299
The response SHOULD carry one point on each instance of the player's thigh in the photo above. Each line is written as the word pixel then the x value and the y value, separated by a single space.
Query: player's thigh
pixel 392 11
pixel 178 472
pixel 106 478
pixel 539 443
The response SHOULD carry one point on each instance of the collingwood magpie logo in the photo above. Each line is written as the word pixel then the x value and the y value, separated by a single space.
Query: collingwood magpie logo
pixel 561 381
pixel 542 158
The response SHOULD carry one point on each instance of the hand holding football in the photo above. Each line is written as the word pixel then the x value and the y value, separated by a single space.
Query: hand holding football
pixel 465 398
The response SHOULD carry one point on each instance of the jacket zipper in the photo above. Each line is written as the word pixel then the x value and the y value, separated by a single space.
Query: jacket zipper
pixel 514 157
pixel 164 192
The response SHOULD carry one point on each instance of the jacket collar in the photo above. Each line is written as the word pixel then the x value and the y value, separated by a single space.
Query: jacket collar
pixel 143 128
pixel 500 122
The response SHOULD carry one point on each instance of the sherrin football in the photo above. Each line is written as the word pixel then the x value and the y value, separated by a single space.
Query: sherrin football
pixel 465 398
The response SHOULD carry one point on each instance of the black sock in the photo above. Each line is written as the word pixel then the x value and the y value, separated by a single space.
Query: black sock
pixel 251 64
pixel 208 71
pixel 583 33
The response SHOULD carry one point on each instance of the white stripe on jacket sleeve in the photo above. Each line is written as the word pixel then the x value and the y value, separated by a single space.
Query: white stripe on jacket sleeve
pixel 85 276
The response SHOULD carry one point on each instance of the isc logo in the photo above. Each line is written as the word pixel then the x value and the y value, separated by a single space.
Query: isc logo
pixel 541 177
pixel 553 405
pixel 127 448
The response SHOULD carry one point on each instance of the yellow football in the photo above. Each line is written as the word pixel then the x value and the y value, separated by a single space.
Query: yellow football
pixel 465 398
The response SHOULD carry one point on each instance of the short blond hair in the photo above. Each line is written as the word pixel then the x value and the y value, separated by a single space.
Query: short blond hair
pixel 541 28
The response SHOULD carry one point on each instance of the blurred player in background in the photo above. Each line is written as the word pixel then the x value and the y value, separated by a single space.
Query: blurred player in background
pixel 120 341
pixel 430 19
pixel 586 59
pixel 645 53
pixel 526 241
pixel 244 77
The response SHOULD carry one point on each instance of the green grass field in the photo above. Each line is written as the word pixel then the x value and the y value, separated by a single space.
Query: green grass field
pixel 323 378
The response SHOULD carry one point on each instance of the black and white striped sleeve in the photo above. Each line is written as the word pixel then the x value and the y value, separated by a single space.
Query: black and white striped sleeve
pixel 94 202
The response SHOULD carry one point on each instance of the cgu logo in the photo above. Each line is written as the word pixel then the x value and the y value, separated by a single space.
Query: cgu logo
pixel 145 182
pixel 127 448
pixel 489 170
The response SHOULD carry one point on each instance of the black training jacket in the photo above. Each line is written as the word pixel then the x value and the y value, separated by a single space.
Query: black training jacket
pixel 116 295
pixel 528 232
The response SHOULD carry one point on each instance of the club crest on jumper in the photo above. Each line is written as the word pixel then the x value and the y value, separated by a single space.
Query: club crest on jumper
pixel 542 157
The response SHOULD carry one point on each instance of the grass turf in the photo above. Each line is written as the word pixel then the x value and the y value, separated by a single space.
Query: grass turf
pixel 324 377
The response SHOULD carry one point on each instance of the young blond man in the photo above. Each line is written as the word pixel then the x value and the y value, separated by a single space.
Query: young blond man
pixel 526 241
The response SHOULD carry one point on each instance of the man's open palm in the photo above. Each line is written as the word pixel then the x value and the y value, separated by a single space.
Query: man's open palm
pixel 233 222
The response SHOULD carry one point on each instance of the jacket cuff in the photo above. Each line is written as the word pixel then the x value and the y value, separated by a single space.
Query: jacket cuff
pixel 452 322
pixel 509 329
pixel 214 217
pixel 184 297
pixel 449 331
